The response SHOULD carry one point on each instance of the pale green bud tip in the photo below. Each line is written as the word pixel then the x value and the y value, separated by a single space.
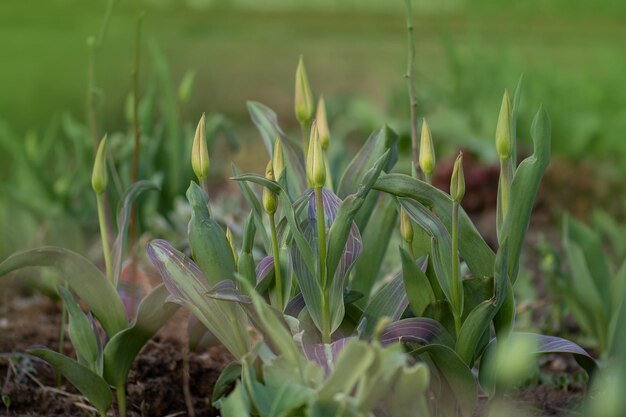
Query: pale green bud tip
pixel 278 159
pixel 427 151
pixel 304 97
pixel 406 230
pixel 504 139
pixel 315 169
pixel 269 198
pixel 457 182
pixel 99 177
pixel 322 124
pixel 199 153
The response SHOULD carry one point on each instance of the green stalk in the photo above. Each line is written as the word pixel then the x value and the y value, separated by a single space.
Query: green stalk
pixel 428 178
pixel 121 401
pixel 276 252
pixel 105 237
pixel 321 240
pixel 506 178
pixel 411 87
pixel 455 266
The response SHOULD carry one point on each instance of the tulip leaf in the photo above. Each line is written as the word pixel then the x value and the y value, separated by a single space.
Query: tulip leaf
pixel 122 349
pixel 90 384
pixel 87 281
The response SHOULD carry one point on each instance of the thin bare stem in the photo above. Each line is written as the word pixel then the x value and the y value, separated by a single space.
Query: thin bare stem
pixel 106 249
pixel 411 86
pixel 455 266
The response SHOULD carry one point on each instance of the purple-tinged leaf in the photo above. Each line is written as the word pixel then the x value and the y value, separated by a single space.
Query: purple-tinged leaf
pixel 390 301
pixel 295 306
pixel 415 330
pixel 326 355
pixel 264 268
pixel 185 282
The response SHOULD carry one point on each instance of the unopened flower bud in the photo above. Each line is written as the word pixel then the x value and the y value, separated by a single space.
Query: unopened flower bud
pixel 315 169
pixel 457 182
pixel 278 159
pixel 99 177
pixel 504 139
pixel 199 153
pixel 269 198
pixel 304 97
pixel 322 124
pixel 427 151
pixel 406 229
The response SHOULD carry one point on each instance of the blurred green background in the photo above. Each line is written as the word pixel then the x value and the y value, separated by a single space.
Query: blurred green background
pixel 571 53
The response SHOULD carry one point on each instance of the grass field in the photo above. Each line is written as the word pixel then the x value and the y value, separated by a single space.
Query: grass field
pixel 572 58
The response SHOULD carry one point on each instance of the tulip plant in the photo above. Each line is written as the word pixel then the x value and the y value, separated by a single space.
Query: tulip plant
pixel 313 285
pixel 102 360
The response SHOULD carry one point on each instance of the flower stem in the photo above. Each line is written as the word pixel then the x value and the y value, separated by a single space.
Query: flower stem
pixel 121 401
pixel 305 139
pixel 276 253
pixel 104 233
pixel 321 240
pixel 456 296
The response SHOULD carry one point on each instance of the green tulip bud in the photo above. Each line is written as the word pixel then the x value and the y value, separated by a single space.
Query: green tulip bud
pixel 457 182
pixel 427 151
pixel 322 124
pixel 278 159
pixel 504 138
pixel 406 229
pixel 304 97
pixel 199 152
pixel 99 177
pixel 269 198
pixel 315 169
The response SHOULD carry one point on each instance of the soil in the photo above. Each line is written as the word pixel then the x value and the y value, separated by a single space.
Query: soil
pixel 155 385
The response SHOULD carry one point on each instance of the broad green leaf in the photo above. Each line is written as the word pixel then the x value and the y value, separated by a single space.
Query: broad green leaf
pixel 81 333
pixel 389 301
pixel 90 384
pixel 229 376
pixel 286 394
pixel 353 362
pixel 376 238
pixel 274 328
pixel 408 395
pixel 526 180
pixel 478 320
pixel 474 250
pixel 418 289
pixel 122 349
pixel 379 143
pixel 187 285
pixel 593 254
pixel 87 281
pixel 455 372
pixel 325 355
pixel 273 186
pixel 441 251
pixel 123 218
pixel 236 404
pixel 209 245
